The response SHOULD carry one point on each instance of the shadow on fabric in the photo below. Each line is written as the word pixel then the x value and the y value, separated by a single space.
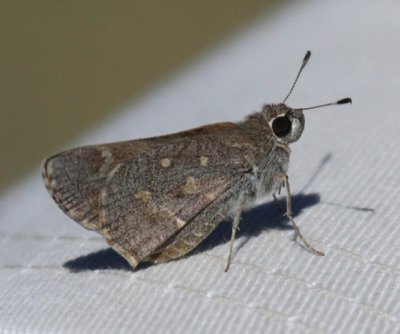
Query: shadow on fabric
pixel 254 221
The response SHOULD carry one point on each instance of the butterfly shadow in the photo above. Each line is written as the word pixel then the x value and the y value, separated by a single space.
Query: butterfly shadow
pixel 267 216
pixel 263 217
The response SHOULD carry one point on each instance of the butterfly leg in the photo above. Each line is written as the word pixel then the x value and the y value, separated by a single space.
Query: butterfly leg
pixel 289 214
pixel 235 227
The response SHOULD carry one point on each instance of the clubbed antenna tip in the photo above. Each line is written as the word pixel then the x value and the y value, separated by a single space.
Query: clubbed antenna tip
pixel 307 56
pixel 303 64
pixel 341 101
pixel 344 101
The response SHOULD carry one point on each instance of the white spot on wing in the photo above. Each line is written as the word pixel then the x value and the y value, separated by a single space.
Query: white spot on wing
pixel 190 187
pixel 203 161
pixel 143 195
pixel 165 162
pixel 180 223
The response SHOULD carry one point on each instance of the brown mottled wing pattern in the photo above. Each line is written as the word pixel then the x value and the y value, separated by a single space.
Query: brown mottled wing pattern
pixel 75 178
pixel 138 194
pixel 150 198
pixel 138 217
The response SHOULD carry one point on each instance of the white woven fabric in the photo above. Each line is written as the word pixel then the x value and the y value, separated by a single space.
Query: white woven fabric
pixel 56 277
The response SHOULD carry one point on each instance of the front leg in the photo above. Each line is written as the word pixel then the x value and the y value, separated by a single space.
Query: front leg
pixel 289 214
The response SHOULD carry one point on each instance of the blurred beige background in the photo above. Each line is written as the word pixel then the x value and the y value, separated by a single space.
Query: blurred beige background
pixel 65 65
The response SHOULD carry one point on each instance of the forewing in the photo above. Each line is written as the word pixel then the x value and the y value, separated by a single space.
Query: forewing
pixel 75 178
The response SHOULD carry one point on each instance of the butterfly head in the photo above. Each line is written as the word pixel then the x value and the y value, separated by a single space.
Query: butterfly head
pixel 287 124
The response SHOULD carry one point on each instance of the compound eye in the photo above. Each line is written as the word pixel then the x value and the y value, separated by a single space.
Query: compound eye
pixel 281 126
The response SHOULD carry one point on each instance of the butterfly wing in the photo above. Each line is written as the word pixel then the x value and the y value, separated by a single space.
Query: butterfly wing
pixel 75 178
pixel 138 194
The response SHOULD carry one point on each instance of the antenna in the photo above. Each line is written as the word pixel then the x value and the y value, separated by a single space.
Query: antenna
pixel 342 101
pixel 305 61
